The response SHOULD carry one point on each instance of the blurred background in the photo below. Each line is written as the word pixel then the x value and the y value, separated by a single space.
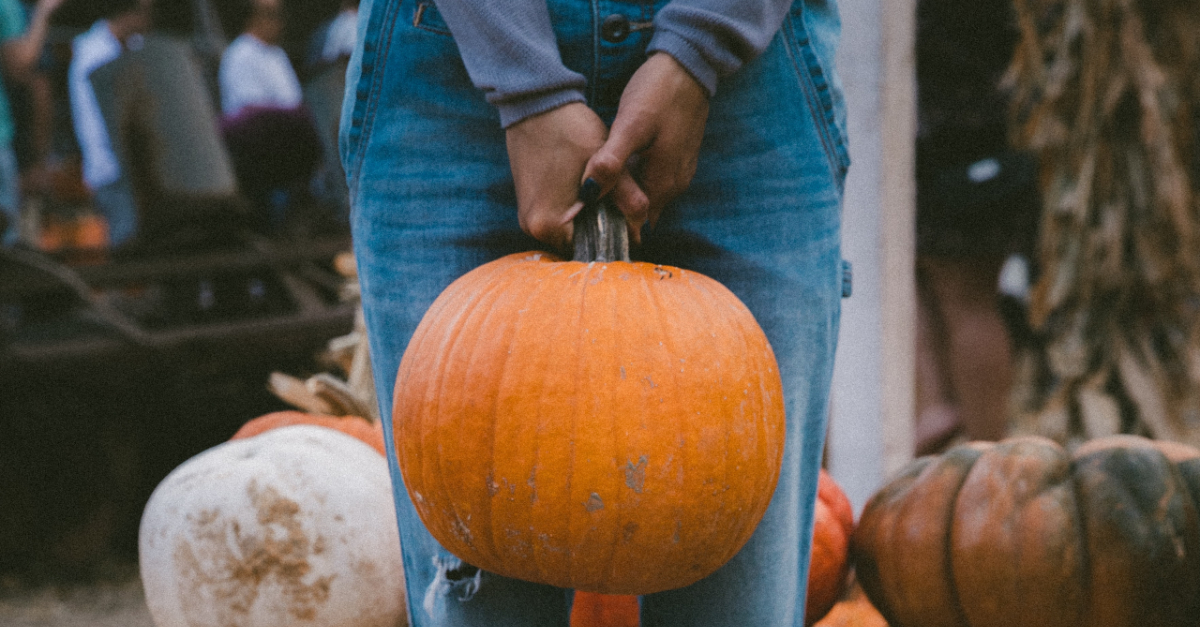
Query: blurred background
pixel 165 251
pixel 1022 215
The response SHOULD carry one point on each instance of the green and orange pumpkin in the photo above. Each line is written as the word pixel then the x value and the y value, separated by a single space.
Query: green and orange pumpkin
pixel 1021 534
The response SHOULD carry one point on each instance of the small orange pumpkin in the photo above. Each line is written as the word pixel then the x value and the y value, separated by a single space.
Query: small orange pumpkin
pixel 833 524
pixel 605 610
pixel 83 232
pixel 853 611
pixel 368 432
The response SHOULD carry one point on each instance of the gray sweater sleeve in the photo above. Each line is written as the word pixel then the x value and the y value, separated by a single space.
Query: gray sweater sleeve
pixel 511 54
pixel 715 38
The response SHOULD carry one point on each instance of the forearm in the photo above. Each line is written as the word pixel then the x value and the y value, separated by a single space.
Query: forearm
pixel 511 53
pixel 715 38
pixel 21 54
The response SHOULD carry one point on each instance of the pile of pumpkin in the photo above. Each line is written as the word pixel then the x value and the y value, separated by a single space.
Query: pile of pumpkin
pixel 295 523
pixel 291 520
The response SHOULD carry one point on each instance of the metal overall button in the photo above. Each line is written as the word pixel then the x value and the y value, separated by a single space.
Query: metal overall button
pixel 616 27
pixel 847 279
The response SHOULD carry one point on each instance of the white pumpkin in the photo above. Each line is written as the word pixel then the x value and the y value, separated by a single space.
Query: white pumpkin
pixel 291 527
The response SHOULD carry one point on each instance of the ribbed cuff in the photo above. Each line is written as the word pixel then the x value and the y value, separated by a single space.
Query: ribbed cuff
pixel 688 56
pixel 513 112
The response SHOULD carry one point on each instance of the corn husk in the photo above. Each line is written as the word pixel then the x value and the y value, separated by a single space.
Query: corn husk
pixel 1105 92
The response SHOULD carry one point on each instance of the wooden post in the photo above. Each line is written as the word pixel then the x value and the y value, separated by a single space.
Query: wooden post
pixel 871 428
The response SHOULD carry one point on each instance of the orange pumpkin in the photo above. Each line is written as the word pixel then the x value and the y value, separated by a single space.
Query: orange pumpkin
pixel 605 610
pixel 833 524
pixel 853 611
pixel 1021 533
pixel 367 432
pixel 611 427
pixel 86 231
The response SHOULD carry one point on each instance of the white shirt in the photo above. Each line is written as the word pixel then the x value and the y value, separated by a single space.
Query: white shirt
pixel 256 73
pixel 340 36
pixel 89 51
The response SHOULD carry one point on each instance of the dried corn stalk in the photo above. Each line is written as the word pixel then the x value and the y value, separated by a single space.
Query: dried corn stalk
pixel 1105 91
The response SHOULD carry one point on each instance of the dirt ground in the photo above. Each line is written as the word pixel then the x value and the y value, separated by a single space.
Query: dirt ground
pixel 117 603
pixel 77 465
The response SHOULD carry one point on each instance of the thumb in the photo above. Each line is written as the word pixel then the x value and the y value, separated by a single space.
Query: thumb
pixel 608 164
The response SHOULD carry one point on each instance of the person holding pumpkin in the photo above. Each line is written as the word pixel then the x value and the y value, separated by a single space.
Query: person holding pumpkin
pixel 716 127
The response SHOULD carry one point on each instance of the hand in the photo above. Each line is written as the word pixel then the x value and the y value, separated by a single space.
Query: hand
pixel 19 56
pixel 36 178
pixel 49 6
pixel 660 121
pixel 547 154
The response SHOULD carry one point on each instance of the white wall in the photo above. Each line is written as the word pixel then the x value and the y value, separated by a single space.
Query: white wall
pixel 871 432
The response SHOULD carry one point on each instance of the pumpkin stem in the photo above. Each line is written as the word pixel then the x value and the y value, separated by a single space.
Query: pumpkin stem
pixel 320 394
pixel 601 233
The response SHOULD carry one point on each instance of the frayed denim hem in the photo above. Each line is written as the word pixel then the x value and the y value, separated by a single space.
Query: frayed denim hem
pixel 454 578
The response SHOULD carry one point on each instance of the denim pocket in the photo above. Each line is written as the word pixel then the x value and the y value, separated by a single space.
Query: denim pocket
pixel 817 87
pixel 384 15
pixel 426 17
pixel 362 95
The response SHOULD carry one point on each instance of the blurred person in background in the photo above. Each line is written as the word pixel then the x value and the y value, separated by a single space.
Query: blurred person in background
pixel 255 71
pixel 333 41
pixel 326 57
pixel 121 28
pixel 270 135
pixel 20 49
pixel 977 206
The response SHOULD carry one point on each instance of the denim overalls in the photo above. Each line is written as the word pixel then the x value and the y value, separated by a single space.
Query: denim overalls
pixel 432 197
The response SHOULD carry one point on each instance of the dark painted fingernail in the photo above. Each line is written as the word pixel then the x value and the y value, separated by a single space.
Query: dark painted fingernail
pixel 589 193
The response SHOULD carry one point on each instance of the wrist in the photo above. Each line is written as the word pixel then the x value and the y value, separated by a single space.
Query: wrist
pixel 688 58
pixel 514 112
pixel 41 14
pixel 679 77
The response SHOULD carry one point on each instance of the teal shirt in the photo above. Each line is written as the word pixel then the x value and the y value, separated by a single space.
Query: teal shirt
pixel 12 26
